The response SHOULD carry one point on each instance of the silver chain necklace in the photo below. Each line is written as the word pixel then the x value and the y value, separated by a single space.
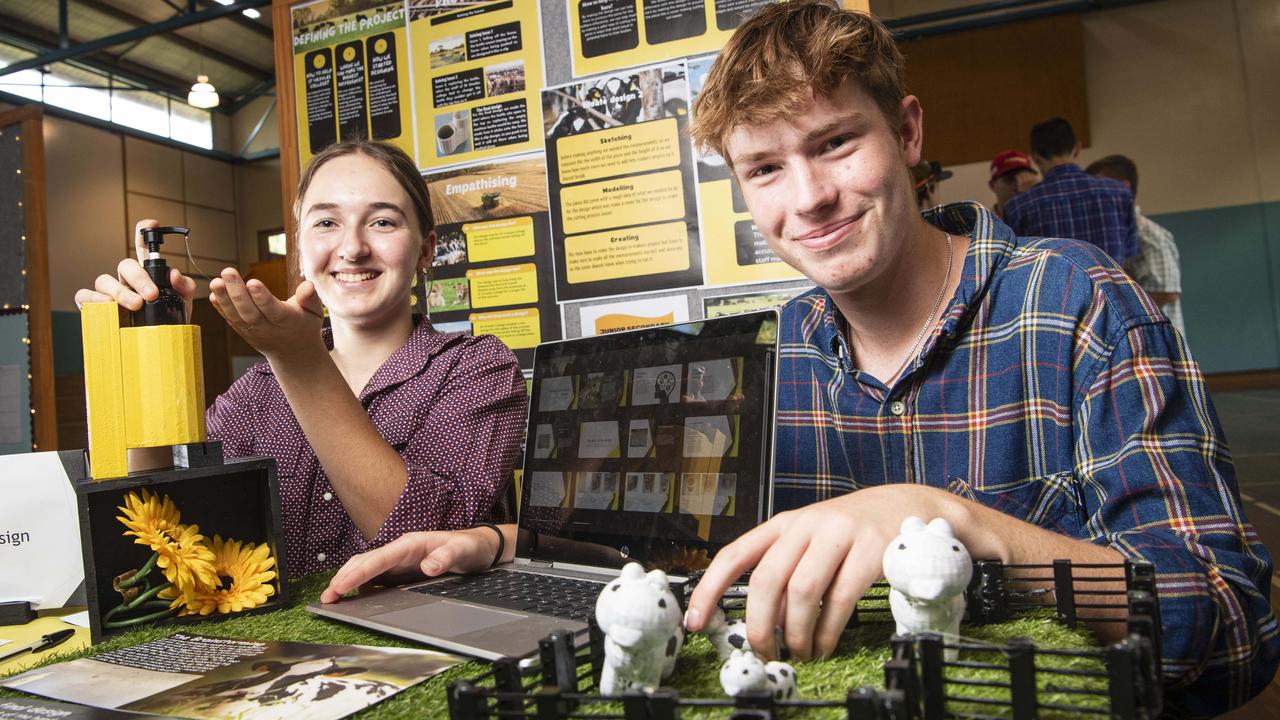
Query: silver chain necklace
pixel 942 291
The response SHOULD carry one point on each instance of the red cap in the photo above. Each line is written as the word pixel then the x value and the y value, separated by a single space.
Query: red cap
pixel 1008 161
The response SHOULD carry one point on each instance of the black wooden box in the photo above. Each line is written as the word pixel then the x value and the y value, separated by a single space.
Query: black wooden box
pixel 237 499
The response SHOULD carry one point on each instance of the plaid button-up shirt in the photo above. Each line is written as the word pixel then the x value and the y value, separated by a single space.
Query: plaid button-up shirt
pixel 1155 267
pixel 1056 392
pixel 1070 203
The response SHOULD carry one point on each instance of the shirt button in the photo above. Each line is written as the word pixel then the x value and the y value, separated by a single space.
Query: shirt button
pixel 897 407
pixel 320 557
pixel 327 495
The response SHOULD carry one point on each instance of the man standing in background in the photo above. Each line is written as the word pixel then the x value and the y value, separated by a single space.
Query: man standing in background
pixel 1155 266
pixel 1069 203
pixel 1011 173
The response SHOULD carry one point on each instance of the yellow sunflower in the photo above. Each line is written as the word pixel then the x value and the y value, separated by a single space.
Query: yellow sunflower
pixel 186 561
pixel 149 518
pixel 248 571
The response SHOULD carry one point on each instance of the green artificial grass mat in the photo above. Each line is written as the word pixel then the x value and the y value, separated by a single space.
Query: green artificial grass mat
pixel 859 661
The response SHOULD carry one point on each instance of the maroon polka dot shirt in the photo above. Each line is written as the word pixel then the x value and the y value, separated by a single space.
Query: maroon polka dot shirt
pixel 451 404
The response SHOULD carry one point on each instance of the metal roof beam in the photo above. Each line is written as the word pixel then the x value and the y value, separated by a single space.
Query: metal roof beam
pixel 130 35
pixel 244 22
pixel 102 61
pixel 210 52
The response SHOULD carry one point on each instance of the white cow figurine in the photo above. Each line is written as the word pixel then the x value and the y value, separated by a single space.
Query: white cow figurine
pixel 745 671
pixel 729 635
pixel 643 634
pixel 928 570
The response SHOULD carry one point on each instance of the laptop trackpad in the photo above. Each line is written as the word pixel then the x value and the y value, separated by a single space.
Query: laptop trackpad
pixel 448 619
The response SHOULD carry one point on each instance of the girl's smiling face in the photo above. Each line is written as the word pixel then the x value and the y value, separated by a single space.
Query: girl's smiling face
pixel 358 241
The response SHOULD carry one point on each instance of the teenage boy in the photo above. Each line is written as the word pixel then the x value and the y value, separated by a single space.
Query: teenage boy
pixel 1023 389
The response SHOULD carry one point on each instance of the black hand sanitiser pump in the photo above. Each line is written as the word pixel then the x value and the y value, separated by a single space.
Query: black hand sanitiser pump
pixel 168 308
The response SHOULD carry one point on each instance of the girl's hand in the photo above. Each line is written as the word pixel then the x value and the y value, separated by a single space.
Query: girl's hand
pixel 277 329
pixel 132 286
pixel 428 553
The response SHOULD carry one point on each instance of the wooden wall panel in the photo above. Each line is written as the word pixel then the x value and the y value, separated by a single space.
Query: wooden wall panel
pixel 982 90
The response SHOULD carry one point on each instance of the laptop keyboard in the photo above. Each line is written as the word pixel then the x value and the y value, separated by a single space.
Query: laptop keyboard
pixel 527 592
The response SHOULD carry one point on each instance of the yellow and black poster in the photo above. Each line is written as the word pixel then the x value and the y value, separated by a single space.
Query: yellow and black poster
pixel 351 74
pixel 620 179
pixel 477 74
pixel 734 251
pixel 492 268
pixel 606 35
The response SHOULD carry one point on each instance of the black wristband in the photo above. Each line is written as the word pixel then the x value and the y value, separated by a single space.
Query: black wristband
pixel 502 541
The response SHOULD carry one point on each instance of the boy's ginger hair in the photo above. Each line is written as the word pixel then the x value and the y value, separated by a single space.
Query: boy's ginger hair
pixel 786 54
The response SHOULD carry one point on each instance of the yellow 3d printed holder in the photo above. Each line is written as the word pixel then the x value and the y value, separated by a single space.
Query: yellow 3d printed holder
pixel 144 387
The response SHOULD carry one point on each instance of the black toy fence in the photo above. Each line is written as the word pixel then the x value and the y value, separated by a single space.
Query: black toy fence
pixel 559 680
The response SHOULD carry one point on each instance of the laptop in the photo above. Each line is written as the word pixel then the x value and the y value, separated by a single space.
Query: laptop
pixel 651 446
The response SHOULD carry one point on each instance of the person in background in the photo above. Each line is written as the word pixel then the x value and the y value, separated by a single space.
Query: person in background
pixel 1155 266
pixel 1069 203
pixel 926 176
pixel 1011 173
pixel 378 424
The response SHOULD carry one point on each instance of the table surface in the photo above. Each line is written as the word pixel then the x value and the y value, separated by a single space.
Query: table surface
pixel 49 621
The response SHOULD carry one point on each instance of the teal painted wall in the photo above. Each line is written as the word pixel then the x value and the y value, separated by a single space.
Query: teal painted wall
pixel 68 350
pixel 1230 276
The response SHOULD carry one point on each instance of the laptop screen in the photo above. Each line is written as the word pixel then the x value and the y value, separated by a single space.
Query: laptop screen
pixel 653 445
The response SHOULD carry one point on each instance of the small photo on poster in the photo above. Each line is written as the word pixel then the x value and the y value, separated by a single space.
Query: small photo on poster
pixel 656 385
pixel 647 492
pixel 462 326
pixel 544 441
pixel 612 101
pixel 449 295
pixel 711 436
pixel 451 248
pixel 603 390
pixel 712 380
pixel 639 439
pixel 557 393
pixel 453 133
pixel 447 51
pixel 597 491
pixel 547 489
pixel 505 78
pixel 599 439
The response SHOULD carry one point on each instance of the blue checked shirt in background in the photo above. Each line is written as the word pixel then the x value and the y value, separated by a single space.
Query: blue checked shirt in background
pixel 1055 392
pixel 1070 203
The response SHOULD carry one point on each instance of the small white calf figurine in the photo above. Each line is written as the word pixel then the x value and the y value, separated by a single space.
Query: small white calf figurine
pixel 727 636
pixel 643 634
pixel 928 570
pixel 744 671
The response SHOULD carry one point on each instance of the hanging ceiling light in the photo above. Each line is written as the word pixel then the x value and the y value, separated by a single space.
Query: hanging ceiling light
pixel 202 95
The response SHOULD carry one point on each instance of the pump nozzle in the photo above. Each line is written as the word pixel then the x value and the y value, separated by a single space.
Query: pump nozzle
pixel 153 238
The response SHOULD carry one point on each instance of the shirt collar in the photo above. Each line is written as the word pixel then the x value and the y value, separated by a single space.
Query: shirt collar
pixel 409 360
pixel 1061 170
pixel 989 248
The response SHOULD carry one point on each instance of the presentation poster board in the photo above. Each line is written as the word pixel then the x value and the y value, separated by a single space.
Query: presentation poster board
pixel 606 35
pixel 477 69
pixel 351 74
pixel 734 251
pixel 492 268
pixel 621 185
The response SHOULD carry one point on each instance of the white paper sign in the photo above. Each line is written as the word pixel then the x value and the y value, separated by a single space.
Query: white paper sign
pixel 40 556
